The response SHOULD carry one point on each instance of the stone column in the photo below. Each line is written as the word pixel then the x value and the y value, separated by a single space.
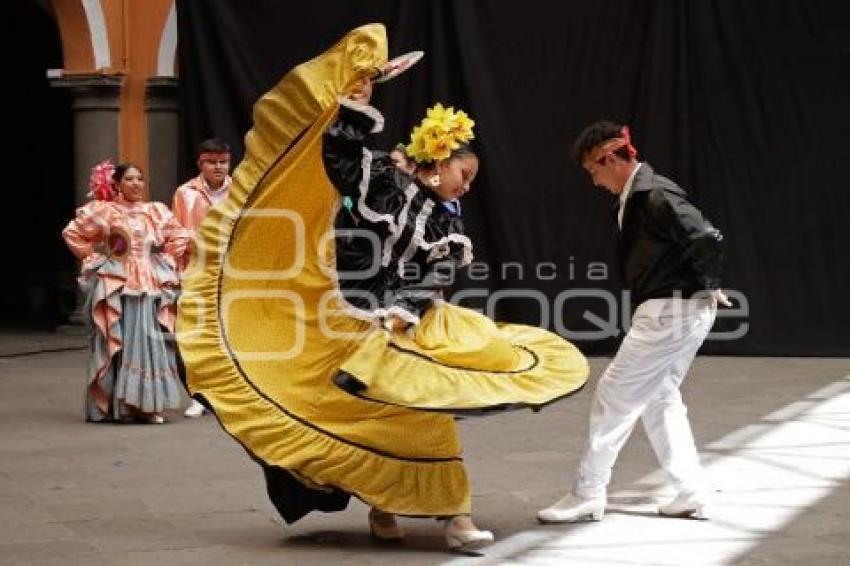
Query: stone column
pixel 95 104
pixel 162 105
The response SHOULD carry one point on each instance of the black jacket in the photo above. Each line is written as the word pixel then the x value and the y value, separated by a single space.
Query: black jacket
pixel 414 243
pixel 666 247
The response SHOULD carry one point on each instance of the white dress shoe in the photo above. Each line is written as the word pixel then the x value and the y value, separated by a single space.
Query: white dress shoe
pixel 685 505
pixel 573 508
pixel 194 410
pixel 466 539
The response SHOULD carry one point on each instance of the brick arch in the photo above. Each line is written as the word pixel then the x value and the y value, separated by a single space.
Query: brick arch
pixel 167 52
pixel 99 33
pixel 133 40
pixel 84 30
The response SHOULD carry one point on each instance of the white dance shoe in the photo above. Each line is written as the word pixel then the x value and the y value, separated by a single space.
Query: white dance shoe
pixel 194 410
pixel 686 505
pixel 572 508
pixel 466 539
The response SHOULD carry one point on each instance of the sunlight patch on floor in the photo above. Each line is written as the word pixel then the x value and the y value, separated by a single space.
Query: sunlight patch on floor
pixel 765 474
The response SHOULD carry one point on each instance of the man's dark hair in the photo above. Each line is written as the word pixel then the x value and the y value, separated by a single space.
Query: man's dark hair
pixel 594 135
pixel 213 145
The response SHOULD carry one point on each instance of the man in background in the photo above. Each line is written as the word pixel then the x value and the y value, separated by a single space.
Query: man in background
pixel 194 198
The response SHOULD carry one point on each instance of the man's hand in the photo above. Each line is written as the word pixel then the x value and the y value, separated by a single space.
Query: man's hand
pixel 720 298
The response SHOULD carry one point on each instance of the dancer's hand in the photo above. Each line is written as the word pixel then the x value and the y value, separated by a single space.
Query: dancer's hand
pixel 394 323
pixel 361 91
pixel 388 67
pixel 720 298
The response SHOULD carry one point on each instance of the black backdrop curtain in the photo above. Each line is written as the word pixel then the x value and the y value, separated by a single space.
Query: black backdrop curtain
pixel 745 104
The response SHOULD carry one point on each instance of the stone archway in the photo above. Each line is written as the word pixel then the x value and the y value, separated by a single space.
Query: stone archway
pixel 107 65
pixel 119 67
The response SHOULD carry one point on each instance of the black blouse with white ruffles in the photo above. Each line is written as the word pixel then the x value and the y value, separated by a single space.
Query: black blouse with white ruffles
pixel 398 245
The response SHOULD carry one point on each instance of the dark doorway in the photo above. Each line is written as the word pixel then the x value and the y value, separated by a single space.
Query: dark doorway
pixel 39 282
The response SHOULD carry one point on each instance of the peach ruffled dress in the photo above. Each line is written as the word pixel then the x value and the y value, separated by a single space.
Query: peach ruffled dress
pixel 129 252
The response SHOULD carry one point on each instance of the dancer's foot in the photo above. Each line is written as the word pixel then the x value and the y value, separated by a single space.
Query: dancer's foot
pixel 383 526
pixel 572 508
pixel 462 534
pixel 194 410
pixel 686 505
pixel 155 418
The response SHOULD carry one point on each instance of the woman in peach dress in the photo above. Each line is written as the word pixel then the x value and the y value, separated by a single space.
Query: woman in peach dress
pixel 128 248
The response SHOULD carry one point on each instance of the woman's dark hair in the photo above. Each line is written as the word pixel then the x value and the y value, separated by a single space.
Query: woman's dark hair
pixel 121 168
pixel 594 135
pixel 213 145
pixel 463 151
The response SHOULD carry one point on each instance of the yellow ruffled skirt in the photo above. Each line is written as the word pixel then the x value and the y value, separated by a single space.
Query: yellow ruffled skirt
pixel 263 330
pixel 460 361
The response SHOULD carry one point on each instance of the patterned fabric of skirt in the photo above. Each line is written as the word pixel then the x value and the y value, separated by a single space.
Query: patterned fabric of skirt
pixel 142 376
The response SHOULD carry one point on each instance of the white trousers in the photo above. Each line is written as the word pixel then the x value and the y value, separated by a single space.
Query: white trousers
pixel 643 381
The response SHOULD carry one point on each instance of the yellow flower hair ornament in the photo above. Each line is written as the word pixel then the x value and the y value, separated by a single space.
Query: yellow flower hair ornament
pixel 441 131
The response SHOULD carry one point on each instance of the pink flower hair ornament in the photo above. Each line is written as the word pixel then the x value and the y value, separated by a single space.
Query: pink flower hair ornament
pixel 100 181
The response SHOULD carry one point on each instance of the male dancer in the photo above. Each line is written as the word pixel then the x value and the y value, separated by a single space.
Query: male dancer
pixel 671 261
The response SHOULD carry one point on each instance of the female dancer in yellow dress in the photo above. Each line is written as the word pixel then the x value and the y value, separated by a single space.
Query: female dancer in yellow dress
pixel 339 375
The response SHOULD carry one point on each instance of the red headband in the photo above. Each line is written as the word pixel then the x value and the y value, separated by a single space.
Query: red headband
pixel 612 145
pixel 214 156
